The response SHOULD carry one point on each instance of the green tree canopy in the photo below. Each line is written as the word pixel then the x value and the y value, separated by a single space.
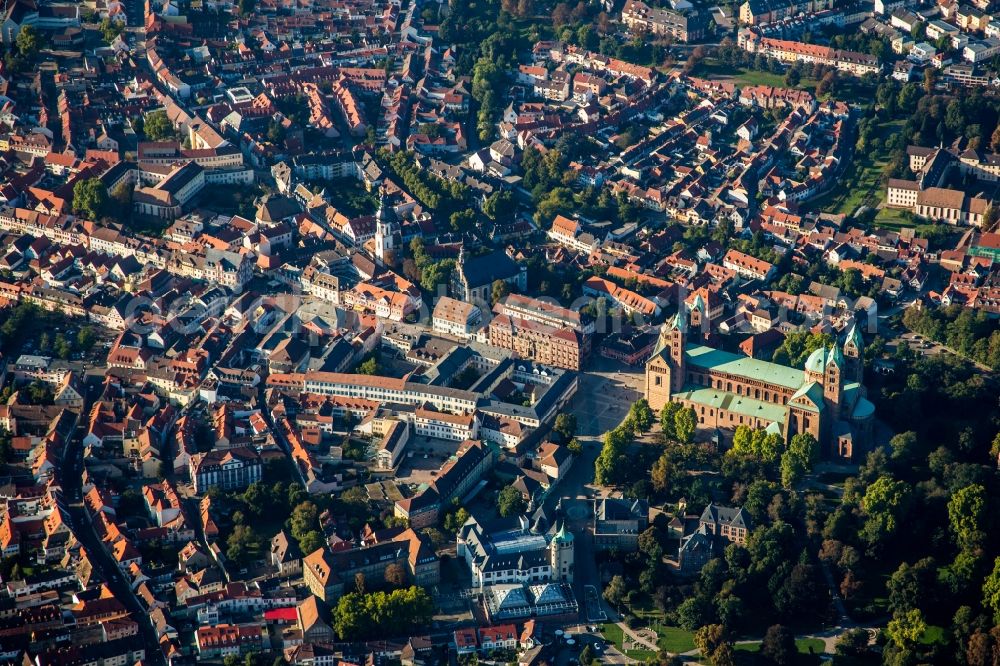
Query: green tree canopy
pixel 510 502
pixel 158 127
pixel 90 197
pixel 28 42
pixel 967 516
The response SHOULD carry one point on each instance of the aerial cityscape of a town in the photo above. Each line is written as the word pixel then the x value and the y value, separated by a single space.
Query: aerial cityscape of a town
pixel 513 332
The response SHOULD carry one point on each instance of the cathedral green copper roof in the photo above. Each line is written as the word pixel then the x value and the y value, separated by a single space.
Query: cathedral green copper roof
pixel 738 404
pixel 744 366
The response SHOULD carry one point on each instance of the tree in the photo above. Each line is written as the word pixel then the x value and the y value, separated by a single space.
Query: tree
pixel 991 216
pixel 967 516
pixel 757 444
pixel 991 591
pixel 499 205
pixel 498 291
pixel 574 446
pixel 714 644
pixel 453 521
pixel 276 132
pixel 311 541
pixel 797 461
pixel 462 220
pixel 885 503
pixel 369 366
pixel 853 643
pixel 793 77
pixel 910 586
pixel 395 575
pixel 86 338
pixel 510 502
pixel 827 84
pixel 158 127
pixel 667 416
pixel 28 42
pixel 616 591
pixel 649 544
pixel 610 464
pixel 565 426
pixel 242 545
pixel 560 15
pixel 995 139
pixel 640 416
pixel 798 346
pixel 685 423
pixel 779 645
pixel 905 630
pixel 359 616
pixel 89 198
pixel 930 79
pixel 978 650
pixel 304 519
pixel 110 29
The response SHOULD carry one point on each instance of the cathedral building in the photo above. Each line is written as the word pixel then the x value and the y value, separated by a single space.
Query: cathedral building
pixel 726 390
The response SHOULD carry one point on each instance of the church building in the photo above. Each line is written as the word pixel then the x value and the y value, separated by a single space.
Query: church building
pixel 727 390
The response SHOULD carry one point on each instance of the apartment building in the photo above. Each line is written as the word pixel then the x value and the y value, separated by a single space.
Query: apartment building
pixel 536 341
pixel 572 234
pixel 328 574
pixel 747 266
pixel 850 62
pixel 456 478
pixel 443 425
pixel 456 318
pixel 544 312
pixel 684 27
pixel 225 469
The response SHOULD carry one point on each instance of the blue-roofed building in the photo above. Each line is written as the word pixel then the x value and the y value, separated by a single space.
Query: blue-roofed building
pixel 473 277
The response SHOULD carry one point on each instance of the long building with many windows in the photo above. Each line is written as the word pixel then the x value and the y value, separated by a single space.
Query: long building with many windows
pixel 849 62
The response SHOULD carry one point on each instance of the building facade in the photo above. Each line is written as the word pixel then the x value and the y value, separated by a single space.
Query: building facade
pixel 826 399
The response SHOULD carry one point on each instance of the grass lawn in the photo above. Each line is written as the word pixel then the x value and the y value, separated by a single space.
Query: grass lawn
pixel 675 639
pixel 862 182
pixel 803 645
pixel 613 634
pixel 891 218
pixel 932 635
pixel 640 655
pixel 671 639
pixel 713 69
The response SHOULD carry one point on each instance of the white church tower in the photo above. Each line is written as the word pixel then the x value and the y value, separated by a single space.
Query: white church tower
pixel 384 247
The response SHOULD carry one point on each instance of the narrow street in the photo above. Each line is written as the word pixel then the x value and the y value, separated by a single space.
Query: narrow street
pixel 70 477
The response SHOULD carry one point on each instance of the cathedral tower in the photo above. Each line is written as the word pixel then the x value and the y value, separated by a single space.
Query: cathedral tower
pixel 833 381
pixel 666 367
pixel 854 349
